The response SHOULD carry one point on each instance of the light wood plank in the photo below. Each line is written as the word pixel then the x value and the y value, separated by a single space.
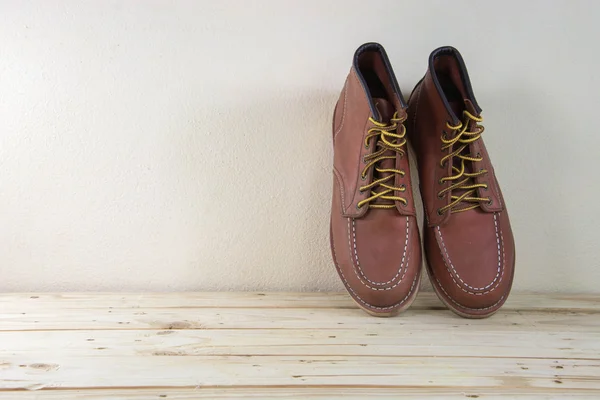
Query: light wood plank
pixel 301 393
pixel 276 318
pixel 35 372
pixel 17 302
pixel 518 343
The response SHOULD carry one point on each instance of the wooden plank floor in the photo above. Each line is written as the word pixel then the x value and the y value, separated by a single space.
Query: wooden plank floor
pixel 292 346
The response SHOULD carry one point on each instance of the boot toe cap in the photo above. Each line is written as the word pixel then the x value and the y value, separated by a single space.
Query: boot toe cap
pixel 381 271
pixel 472 275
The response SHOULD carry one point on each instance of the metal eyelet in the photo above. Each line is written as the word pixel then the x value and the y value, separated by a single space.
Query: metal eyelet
pixel 441 195
pixel 404 204
pixel 358 207
pixel 441 182
pixel 402 186
pixel 363 177
pixel 485 188
pixel 439 212
pixel 478 155
pixel 490 202
pixel 367 146
pixel 364 160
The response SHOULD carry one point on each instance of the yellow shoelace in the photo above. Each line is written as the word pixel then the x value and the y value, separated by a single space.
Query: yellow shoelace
pixel 462 179
pixel 386 140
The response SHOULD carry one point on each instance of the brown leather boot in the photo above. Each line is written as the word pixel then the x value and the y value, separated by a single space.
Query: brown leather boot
pixel 374 235
pixel 468 240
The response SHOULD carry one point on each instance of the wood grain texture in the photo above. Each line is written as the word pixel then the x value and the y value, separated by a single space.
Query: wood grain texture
pixel 292 346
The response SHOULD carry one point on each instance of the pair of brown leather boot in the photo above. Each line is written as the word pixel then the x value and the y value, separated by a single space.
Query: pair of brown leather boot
pixel 375 239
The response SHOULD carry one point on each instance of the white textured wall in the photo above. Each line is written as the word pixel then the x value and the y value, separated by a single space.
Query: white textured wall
pixel 183 145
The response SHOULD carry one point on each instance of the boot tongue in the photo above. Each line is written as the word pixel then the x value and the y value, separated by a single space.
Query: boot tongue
pixel 471 109
pixel 386 112
pixel 385 108
pixel 471 126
